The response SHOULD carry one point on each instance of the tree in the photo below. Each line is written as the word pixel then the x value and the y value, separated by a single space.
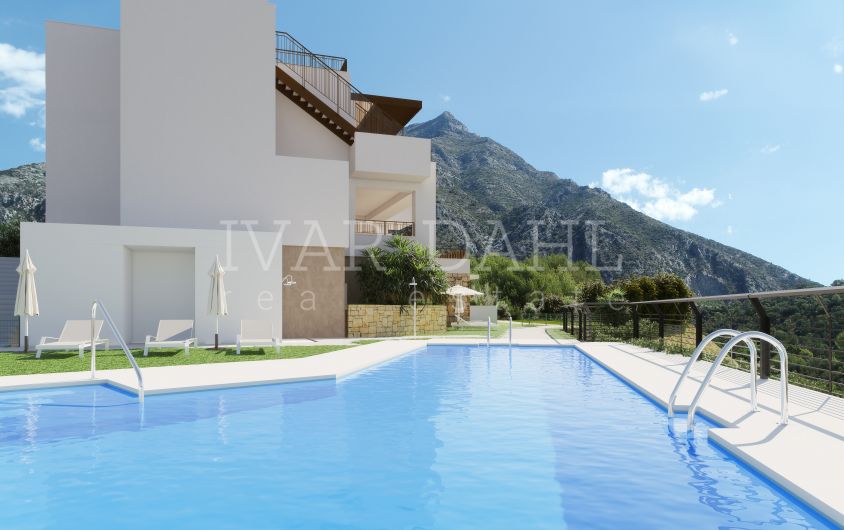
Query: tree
pixel 386 274
pixel 661 286
pixel 554 303
pixel 10 238
pixel 509 280
pixel 591 291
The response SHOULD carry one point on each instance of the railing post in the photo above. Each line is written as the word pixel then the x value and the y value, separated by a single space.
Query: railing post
pixel 698 323
pixel 765 351
pixel 580 324
pixel 635 321
pixel 661 322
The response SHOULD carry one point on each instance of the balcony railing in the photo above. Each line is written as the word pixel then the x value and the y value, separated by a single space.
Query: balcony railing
pixel 452 253
pixel 319 73
pixel 816 354
pixel 386 228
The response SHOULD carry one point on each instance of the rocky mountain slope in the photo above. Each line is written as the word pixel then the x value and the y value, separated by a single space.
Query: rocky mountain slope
pixel 483 186
pixel 23 193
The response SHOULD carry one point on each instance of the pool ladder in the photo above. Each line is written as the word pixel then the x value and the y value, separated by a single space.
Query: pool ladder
pixel 737 336
pixel 98 304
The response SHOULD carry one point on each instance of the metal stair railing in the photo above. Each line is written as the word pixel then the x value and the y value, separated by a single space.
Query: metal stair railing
pixel 696 354
pixel 750 335
pixel 98 304
pixel 325 80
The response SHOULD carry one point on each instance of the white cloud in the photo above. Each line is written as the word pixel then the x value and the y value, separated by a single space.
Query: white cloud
pixel 712 95
pixel 37 144
pixel 835 47
pixel 770 149
pixel 22 80
pixel 729 230
pixel 445 98
pixel 655 197
pixel 838 69
pixel 732 39
pixel 698 196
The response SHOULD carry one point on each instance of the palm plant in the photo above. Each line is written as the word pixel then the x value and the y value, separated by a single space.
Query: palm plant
pixel 386 274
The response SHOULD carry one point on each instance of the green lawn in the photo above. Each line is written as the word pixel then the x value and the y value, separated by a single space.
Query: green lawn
pixel 558 333
pixel 536 322
pixel 18 363
pixel 480 331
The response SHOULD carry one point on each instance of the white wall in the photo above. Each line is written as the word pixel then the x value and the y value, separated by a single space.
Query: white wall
pixel 83 125
pixel 78 263
pixel 198 124
pixel 480 313
pixel 380 156
pixel 299 134
pixel 162 288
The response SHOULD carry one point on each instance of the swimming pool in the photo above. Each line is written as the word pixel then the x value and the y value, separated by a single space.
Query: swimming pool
pixel 448 437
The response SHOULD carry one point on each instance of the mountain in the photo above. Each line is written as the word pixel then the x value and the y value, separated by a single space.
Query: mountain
pixel 23 193
pixel 483 187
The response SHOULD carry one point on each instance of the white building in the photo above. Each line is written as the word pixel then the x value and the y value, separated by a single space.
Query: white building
pixel 197 130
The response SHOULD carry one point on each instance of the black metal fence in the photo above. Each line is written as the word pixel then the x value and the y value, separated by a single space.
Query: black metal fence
pixel 809 323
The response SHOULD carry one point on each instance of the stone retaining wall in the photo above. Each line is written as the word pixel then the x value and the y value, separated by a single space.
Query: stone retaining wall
pixel 388 321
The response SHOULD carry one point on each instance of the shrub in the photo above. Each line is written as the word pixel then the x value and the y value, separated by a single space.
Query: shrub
pixel 10 238
pixel 554 304
pixel 503 308
pixel 591 291
pixel 386 274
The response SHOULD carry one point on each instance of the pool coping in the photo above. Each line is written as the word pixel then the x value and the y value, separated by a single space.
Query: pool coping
pixel 334 365
pixel 338 365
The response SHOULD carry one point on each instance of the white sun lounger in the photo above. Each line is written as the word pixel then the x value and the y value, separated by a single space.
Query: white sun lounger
pixel 257 333
pixel 171 333
pixel 75 335
pixel 460 323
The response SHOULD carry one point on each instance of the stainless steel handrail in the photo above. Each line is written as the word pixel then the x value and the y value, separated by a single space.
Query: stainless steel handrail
pixel 119 337
pixel 750 335
pixel 488 329
pixel 696 354
pixel 510 336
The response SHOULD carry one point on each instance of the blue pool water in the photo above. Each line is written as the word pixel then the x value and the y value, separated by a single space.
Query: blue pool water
pixel 449 437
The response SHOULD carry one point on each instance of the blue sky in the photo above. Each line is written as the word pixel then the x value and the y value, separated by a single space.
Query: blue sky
pixel 723 118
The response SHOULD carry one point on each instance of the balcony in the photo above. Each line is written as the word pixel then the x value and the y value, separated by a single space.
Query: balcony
pixel 396 158
pixel 384 228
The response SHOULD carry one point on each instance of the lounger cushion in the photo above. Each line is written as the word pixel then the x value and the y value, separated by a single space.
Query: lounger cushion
pixel 174 330
pixel 79 331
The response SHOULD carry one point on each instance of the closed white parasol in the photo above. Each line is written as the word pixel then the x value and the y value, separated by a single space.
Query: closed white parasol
pixel 217 305
pixel 26 302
